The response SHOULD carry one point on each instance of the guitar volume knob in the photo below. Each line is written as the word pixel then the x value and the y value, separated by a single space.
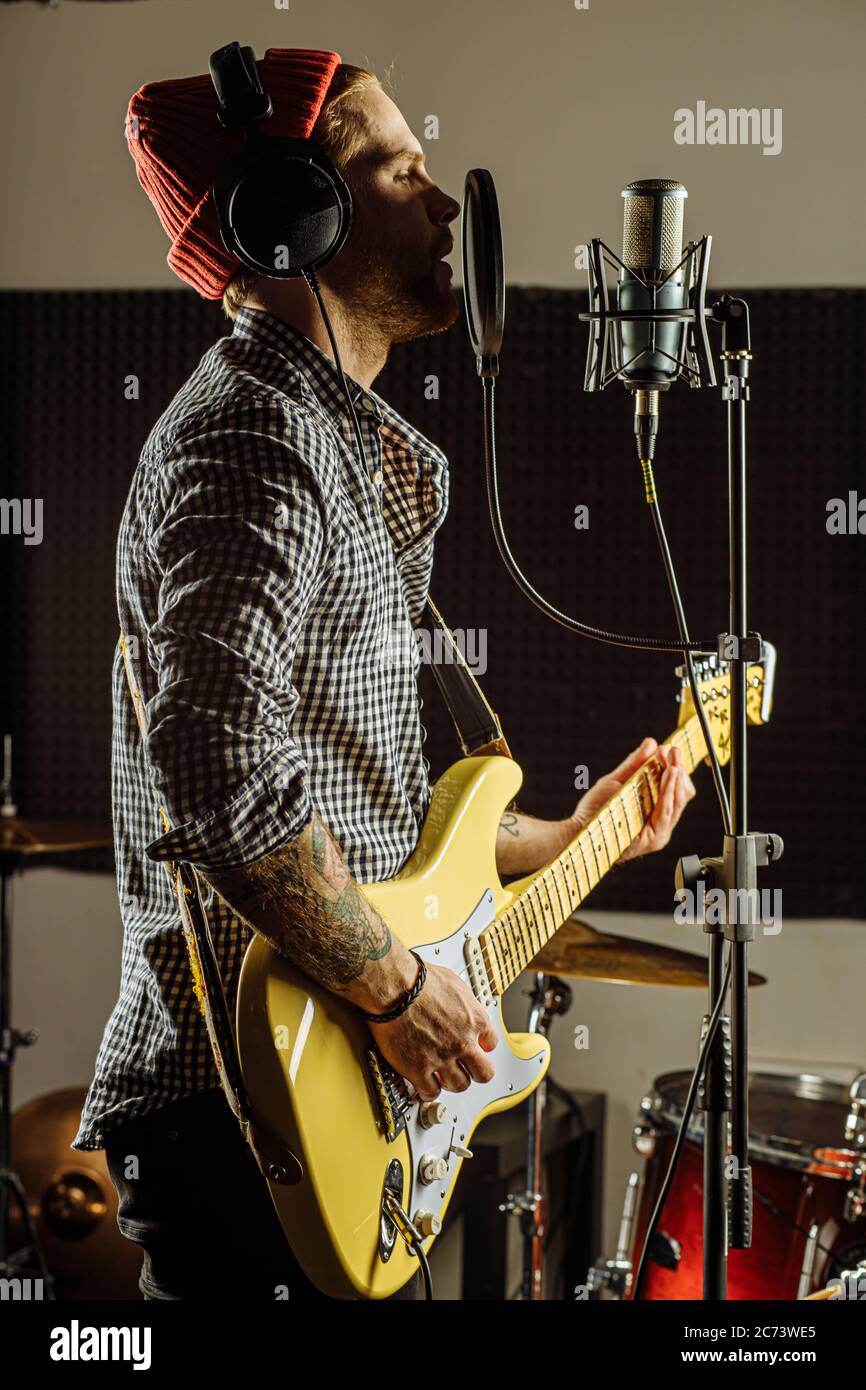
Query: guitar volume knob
pixel 433 1112
pixel 427 1223
pixel 432 1168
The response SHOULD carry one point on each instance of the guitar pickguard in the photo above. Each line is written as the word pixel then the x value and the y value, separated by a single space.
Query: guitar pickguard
pixel 432 1147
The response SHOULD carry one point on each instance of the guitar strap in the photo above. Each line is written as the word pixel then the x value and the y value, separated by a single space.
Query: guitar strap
pixel 274 1159
pixel 479 734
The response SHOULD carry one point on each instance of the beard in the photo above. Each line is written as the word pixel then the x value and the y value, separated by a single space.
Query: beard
pixel 391 294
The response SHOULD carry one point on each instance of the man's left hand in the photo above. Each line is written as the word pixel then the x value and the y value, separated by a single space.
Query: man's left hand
pixel 676 789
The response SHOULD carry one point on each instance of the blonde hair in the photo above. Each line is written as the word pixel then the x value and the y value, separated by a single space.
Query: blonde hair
pixel 341 131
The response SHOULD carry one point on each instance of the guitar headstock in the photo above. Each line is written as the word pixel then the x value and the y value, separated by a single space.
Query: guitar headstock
pixel 714 688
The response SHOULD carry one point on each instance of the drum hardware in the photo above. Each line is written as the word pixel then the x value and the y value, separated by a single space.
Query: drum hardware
pixel 664 1251
pixel 644 1137
pixel 548 998
pixel 808 1267
pixel 583 952
pixel 855 1197
pixel 8 807
pixel 855 1133
pixel 809 1230
pixel 855 1124
pixel 21 841
pixel 853 1282
pixel 610 1280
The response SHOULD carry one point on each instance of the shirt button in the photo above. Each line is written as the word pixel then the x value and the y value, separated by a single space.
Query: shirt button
pixel 368 403
pixel 377 477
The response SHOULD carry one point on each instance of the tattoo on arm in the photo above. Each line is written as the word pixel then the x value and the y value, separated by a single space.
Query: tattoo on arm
pixel 509 824
pixel 303 899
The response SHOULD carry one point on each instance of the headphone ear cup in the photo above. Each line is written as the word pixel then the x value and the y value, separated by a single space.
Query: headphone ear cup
pixel 284 210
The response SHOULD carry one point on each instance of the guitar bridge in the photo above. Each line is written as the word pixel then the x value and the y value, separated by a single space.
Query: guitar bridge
pixel 392 1094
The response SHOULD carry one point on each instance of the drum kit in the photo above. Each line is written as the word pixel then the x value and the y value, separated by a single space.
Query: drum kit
pixel 807 1149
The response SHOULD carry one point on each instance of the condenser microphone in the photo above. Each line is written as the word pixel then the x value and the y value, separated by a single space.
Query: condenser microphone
pixel 653 280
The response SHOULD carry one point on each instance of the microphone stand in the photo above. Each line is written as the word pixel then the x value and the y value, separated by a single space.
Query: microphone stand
pixel 727 1211
pixel 725 1088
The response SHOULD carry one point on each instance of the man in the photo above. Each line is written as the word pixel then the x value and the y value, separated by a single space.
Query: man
pixel 259 567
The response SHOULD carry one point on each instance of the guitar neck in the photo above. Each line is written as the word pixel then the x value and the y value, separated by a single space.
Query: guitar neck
pixel 516 937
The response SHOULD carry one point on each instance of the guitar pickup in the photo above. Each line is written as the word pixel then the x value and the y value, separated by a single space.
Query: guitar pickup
pixel 392 1094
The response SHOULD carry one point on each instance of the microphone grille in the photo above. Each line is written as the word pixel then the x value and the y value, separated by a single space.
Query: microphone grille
pixel 652 233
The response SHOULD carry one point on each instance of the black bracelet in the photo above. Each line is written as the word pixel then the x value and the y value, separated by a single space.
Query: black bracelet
pixel 409 998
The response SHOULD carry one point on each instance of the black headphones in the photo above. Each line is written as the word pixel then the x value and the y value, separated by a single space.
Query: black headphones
pixel 283 208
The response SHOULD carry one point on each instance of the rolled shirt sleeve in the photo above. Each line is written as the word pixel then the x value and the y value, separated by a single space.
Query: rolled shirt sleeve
pixel 241 532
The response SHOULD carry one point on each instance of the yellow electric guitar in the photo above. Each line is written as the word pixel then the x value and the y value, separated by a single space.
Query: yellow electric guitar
pixel 314 1080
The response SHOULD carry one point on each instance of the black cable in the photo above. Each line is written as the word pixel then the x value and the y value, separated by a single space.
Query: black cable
pixel 683 1133
pixel 425 1272
pixel 312 280
pixel 652 644
pixel 671 577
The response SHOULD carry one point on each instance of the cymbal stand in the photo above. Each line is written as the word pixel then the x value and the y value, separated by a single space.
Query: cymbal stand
pixel 548 997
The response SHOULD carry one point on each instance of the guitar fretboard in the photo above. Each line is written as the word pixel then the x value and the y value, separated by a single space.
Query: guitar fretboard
pixel 516 937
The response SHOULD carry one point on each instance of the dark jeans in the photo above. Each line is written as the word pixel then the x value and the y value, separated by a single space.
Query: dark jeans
pixel 200 1209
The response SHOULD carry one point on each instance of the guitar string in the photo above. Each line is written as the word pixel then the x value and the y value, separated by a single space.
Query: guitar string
pixel 647 779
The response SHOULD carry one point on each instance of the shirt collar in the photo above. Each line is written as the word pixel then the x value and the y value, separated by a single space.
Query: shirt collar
pixel 318 369
pixel 415 471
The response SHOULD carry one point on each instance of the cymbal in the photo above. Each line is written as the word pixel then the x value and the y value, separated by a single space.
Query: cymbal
pixel 72 1201
pixel 21 836
pixel 580 951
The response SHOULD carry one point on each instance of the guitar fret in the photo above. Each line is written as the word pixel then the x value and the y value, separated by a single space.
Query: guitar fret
pixel 562 910
pixel 497 951
pixel 532 925
pixel 530 921
pixel 583 892
pixel 620 847
pixel 597 821
pixel 585 865
pixel 574 893
pixel 555 923
pixel 513 948
pixel 524 943
pixel 632 834
pixel 692 759
pixel 598 867
pixel 544 910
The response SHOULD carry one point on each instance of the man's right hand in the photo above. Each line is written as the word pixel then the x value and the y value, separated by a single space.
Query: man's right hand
pixel 302 899
pixel 443 1040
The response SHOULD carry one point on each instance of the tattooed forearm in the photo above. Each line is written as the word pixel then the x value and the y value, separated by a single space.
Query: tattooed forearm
pixel 524 844
pixel 305 902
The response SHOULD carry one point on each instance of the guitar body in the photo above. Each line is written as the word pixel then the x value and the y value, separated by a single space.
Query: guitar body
pixel 316 1085
pixel 310 1080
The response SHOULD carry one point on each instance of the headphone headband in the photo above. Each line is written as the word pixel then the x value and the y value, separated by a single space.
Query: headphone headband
pixel 238 86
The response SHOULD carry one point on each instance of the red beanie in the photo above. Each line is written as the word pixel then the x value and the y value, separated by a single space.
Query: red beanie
pixel 179 147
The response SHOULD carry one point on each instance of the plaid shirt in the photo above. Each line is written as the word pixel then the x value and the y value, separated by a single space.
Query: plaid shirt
pixel 267 586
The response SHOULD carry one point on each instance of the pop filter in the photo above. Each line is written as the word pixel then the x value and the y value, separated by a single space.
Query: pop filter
pixel 483 273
